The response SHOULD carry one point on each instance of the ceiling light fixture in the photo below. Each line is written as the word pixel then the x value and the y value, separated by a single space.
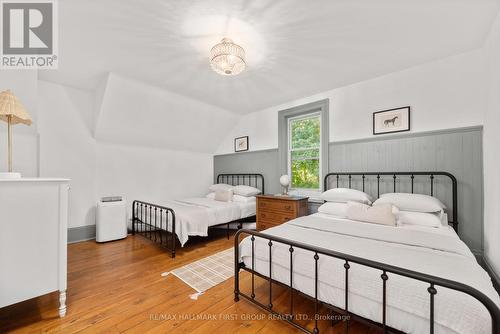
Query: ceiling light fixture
pixel 227 58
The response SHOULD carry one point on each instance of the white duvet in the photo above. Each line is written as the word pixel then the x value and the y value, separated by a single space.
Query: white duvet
pixel 193 216
pixel 437 252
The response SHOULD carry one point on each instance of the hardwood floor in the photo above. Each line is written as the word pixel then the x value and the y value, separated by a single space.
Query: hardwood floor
pixel 117 287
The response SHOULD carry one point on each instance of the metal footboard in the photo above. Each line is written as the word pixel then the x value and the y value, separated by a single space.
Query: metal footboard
pixel 148 220
pixel 385 273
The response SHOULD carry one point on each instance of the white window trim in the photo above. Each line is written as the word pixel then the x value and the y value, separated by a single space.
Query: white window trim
pixel 312 193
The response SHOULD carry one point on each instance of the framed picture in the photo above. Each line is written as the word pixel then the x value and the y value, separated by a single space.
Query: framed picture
pixel 241 144
pixel 391 120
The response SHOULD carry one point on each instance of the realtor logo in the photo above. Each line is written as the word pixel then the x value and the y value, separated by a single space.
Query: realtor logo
pixel 28 34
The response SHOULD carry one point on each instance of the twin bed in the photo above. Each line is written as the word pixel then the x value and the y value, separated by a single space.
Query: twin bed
pixel 175 221
pixel 410 279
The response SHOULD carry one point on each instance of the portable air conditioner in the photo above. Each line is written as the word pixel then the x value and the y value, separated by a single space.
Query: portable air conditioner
pixel 111 221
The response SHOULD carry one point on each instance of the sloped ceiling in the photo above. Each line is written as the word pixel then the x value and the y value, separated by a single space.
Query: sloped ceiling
pixel 294 48
pixel 134 113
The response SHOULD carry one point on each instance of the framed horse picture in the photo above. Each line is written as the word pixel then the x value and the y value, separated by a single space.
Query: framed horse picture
pixel 391 120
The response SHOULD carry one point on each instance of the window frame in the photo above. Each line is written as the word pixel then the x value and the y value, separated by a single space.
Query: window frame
pixel 314 114
pixel 322 107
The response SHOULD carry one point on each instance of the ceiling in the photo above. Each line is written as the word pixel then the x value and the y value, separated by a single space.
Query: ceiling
pixel 294 48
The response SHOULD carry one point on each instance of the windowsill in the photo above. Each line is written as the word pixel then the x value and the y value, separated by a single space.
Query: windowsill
pixel 314 195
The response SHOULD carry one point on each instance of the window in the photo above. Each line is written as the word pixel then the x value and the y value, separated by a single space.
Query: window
pixel 304 151
pixel 303 146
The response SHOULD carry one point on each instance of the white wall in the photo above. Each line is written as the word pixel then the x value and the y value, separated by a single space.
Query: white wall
pixel 98 168
pixel 151 174
pixel 67 148
pixel 152 144
pixel 491 142
pixel 448 93
pixel 136 113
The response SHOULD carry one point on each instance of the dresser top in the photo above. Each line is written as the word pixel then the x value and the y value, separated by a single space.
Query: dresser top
pixel 283 197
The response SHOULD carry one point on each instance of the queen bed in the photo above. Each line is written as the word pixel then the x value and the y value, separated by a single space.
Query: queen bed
pixel 408 278
pixel 176 220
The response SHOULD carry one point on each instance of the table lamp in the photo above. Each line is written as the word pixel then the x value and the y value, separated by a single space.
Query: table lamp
pixel 13 112
pixel 285 182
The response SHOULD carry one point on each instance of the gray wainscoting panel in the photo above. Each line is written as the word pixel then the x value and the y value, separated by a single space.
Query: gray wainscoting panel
pixel 458 151
pixel 265 162
pixel 81 233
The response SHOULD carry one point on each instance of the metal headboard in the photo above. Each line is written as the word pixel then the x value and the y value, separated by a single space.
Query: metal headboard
pixel 364 179
pixel 248 179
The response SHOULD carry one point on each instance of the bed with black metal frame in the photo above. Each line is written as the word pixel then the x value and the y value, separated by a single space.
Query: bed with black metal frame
pixel 385 269
pixel 148 217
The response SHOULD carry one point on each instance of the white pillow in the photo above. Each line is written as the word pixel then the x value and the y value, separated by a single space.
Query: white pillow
pixel 334 209
pixel 419 218
pixel 244 199
pixel 236 198
pixel 444 219
pixel 395 211
pixel 412 202
pixel 224 195
pixel 220 186
pixel 381 214
pixel 340 209
pixel 344 195
pixel 246 191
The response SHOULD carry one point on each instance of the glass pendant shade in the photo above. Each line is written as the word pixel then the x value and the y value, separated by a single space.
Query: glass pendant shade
pixel 227 58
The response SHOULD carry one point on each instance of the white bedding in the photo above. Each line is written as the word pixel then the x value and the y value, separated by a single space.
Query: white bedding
pixel 193 216
pixel 435 251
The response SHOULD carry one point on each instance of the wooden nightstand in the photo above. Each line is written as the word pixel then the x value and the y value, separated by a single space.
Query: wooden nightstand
pixel 275 210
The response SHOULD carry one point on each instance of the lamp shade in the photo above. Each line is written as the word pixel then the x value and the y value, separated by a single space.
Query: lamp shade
pixel 12 111
pixel 285 180
pixel 11 107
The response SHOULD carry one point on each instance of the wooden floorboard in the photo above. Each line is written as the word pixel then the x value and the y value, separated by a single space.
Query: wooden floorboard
pixel 117 287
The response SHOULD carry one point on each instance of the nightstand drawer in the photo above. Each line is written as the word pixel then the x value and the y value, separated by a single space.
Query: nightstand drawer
pixel 274 205
pixel 264 225
pixel 277 217
pixel 276 210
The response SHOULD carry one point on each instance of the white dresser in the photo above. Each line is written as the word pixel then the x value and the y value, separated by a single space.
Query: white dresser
pixel 33 239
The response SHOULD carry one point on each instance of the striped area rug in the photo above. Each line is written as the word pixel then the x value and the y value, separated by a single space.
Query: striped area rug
pixel 207 272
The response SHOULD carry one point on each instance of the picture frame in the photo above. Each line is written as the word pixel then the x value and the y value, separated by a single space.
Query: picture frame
pixel 241 144
pixel 391 120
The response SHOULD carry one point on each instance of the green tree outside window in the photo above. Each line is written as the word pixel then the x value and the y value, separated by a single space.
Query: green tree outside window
pixel 305 141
